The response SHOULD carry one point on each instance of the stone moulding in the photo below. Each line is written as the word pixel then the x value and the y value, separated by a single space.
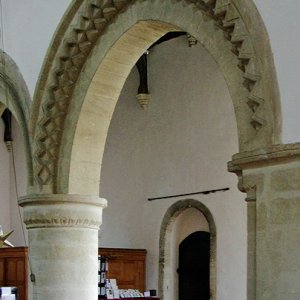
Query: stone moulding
pixel 91 20
pixel 271 155
pixel 264 157
pixel 62 211
pixel 61 222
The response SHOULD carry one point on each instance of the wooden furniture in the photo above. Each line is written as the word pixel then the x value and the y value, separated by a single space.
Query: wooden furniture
pixel 13 269
pixel 102 276
pixel 144 298
pixel 128 266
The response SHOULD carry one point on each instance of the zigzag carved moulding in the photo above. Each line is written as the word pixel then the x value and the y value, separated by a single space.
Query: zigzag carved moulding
pixel 94 17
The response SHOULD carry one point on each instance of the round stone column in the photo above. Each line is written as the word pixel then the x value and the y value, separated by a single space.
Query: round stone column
pixel 63 245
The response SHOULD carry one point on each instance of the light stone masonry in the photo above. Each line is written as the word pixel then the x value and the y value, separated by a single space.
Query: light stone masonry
pixel 63 243
pixel 277 263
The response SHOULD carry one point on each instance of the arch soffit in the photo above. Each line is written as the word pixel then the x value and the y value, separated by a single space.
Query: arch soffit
pixel 98 25
pixel 170 216
pixel 15 96
pixel 2 108
pixel 13 87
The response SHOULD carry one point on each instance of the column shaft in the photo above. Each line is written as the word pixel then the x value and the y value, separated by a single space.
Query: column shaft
pixel 63 243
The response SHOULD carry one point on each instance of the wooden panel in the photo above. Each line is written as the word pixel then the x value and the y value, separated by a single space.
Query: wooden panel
pixel 16 274
pixel 11 270
pixel 125 272
pixel 14 268
pixel 128 266
pixel 2 272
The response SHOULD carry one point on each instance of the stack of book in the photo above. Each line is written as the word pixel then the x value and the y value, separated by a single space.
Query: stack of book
pixel 113 292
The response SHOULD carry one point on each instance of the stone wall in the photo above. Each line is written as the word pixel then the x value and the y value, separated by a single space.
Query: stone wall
pixel 271 179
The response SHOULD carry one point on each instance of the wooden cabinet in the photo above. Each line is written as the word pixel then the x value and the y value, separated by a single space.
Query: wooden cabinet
pixel 144 298
pixel 13 269
pixel 128 266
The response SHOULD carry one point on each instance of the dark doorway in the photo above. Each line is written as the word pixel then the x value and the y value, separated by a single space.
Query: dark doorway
pixel 193 268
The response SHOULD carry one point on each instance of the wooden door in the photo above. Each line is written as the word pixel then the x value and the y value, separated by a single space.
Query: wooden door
pixel 193 268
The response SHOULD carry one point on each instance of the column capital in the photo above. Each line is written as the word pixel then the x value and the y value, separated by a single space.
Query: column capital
pixel 242 163
pixel 62 210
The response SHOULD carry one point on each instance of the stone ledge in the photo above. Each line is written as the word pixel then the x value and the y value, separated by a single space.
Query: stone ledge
pixel 46 199
pixel 272 155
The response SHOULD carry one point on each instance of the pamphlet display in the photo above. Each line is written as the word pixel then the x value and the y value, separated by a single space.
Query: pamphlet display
pixel 108 287
pixel 8 293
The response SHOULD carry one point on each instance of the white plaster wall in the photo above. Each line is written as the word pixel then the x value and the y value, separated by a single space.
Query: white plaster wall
pixel 28 27
pixel 9 213
pixel 180 144
pixel 189 221
pixel 281 20
pixel 16 213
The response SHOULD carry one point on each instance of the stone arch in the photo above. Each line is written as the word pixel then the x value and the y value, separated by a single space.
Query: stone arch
pixel 75 102
pixel 14 95
pixel 172 213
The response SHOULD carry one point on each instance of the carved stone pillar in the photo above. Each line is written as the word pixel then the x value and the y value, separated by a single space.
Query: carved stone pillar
pixel 271 179
pixel 63 245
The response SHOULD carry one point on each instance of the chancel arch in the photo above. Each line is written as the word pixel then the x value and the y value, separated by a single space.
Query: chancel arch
pixel 106 39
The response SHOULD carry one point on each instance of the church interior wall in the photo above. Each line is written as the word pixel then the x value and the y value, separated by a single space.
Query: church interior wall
pixel 179 144
pixel 4 184
pixel 28 29
pixel 9 213
pixel 21 180
pixel 280 18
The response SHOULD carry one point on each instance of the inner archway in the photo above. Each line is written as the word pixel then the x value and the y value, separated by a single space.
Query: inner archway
pixel 173 232
pixel 180 143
